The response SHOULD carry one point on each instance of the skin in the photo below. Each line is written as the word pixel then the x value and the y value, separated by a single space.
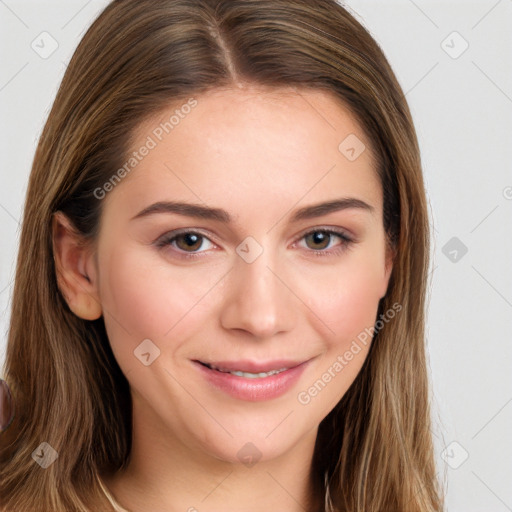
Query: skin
pixel 259 154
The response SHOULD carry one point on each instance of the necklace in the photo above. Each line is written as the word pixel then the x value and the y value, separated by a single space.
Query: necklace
pixel 113 502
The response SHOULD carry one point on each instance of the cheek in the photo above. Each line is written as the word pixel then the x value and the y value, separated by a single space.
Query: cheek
pixel 346 301
pixel 348 304
pixel 147 300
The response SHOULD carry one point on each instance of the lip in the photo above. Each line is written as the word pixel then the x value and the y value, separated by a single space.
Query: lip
pixel 247 365
pixel 258 389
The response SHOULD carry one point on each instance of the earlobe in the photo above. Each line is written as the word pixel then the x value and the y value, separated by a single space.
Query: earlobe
pixel 75 269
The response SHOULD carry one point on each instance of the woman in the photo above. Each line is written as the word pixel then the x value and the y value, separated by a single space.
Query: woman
pixel 219 300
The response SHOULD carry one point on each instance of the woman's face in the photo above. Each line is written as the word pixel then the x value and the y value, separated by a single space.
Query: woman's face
pixel 235 268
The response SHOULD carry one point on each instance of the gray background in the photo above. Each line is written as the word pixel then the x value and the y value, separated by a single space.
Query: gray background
pixel 461 99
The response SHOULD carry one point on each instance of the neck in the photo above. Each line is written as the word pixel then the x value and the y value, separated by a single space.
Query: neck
pixel 164 474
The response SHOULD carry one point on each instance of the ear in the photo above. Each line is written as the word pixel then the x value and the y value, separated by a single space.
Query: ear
pixel 388 268
pixel 76 269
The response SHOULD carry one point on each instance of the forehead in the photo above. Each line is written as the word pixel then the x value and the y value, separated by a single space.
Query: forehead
pixel 252 147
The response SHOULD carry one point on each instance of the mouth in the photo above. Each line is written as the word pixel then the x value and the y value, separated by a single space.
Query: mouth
pixel 252 381
pixel 246 374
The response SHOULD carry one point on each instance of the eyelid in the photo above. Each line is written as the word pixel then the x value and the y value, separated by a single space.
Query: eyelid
pixel 335 230
pixel 166 238
pixel 347 240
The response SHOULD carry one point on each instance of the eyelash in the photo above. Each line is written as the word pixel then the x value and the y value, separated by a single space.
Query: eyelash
pixel 346 242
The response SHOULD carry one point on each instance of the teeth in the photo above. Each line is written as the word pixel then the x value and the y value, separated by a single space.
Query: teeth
pixel 248 375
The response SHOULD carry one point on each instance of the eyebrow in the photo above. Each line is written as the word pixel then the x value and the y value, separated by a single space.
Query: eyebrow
pixel 220 215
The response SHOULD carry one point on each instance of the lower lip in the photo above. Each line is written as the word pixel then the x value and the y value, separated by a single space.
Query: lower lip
pixel 255 390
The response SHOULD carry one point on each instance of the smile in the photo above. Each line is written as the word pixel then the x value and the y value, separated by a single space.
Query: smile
pixel 247 375
pixel 251 381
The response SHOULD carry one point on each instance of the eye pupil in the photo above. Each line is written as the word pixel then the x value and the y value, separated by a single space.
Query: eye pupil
pixel 191 240
pixel 192 237
pixel 320 237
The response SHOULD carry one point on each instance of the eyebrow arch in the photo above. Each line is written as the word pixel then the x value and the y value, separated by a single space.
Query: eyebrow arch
pixel 220 215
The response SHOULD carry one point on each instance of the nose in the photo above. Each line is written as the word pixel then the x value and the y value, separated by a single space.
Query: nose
pixel 258 299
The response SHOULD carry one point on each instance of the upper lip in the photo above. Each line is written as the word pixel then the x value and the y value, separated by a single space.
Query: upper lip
pixel 253 366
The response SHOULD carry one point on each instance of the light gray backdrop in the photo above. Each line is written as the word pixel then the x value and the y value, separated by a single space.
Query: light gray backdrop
pixel 453 60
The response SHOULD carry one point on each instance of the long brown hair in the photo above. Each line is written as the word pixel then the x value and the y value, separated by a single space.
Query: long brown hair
pixel 374 450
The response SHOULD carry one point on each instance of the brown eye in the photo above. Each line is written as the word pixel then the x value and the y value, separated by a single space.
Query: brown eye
pixel 185 243
pixel 318 239
pixel 318 242
pixel 189 241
